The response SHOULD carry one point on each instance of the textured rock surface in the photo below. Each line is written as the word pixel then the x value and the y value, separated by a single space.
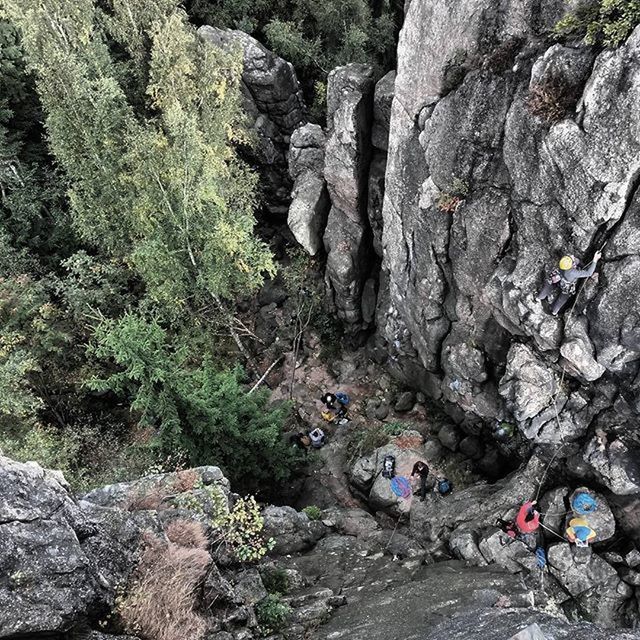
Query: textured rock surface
pixel 309 199
pixel 457 305
pixel 273 101
pixel 49 581
pixel 347 239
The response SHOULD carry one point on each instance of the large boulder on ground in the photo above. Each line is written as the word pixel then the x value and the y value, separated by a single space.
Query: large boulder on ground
pixel 593 584
pixel 601 520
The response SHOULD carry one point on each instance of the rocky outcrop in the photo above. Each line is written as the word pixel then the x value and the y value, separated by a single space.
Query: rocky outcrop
pixel 52 576
pixel 274 105
pixel 309 198
pixel 483 190
pixel 347 239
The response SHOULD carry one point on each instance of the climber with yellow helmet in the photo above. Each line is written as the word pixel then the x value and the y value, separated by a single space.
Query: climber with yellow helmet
pixel 564 278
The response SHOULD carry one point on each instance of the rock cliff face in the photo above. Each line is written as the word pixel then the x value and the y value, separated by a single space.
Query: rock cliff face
pixel 490 153
pixel 462 281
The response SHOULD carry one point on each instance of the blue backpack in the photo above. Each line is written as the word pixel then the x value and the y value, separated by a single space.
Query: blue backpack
pixel 444 487
pixel 342 398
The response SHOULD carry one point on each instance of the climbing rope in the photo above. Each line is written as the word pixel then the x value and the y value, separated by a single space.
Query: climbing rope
pixel 564 370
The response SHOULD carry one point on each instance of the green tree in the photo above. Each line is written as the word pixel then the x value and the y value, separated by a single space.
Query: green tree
pixel 606 22
pixel 197 408
pixel 161 187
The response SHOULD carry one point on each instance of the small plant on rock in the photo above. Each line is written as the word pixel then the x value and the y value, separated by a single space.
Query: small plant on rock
pixel 160 603
pixel 551 100
pixel 606 22
pixel 272 613
pixel 313 512
pixel 394 428
pixel 275 580
pixel 450 200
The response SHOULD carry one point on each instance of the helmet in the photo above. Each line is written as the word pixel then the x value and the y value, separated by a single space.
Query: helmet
pixel 566 262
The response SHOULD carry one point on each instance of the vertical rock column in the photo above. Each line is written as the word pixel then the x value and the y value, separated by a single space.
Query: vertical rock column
pixel 348 239
pixel 382 99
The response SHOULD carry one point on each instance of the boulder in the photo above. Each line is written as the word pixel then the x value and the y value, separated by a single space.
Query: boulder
pixel 50 584
pixel 577 350
pixel 601 520
pixel 449 436
pixel 497 547
pixel 528 385
pixel 291 530
pixel 405 401
pixel 592 583
pixel 616 464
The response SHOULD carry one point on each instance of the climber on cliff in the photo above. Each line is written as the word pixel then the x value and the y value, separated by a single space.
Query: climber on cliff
pixel 421 469
pixel 564 278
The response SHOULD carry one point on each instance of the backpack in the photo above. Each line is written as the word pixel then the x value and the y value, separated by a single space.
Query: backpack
pixel 444 487
pixel 389 466
pixel 342 398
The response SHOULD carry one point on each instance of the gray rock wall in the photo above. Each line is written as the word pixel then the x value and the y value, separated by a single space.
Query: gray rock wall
pixel 481 195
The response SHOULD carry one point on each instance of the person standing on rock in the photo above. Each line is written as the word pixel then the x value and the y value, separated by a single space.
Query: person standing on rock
pixel 564 279
pixel 421 469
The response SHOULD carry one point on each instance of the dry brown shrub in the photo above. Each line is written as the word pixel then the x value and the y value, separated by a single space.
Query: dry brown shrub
pixel 186 533
pixel 185 480
pixel 145 498
pixel 162 596
pixel 551 100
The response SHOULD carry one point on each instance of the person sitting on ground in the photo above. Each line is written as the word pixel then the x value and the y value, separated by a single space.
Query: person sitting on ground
pixel 336 403
pixel 579 532
pixel 564 278
pixel 421 469
pixel 300 440
pixel 528 519
pixel 317 437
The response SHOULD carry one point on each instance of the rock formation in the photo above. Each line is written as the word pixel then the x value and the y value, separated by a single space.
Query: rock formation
pixel 344 576
pixel 274 106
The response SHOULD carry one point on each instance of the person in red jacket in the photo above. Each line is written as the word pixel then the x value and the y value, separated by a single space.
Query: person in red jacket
pixel 528 519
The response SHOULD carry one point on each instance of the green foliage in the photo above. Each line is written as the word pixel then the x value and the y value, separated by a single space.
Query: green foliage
pixel 364 441
pixel 272 613
pixel 313 512
pixel 160 187
pixel 395 428
pixel 314 36
pixel 606 22
pixel 198 409
pixel 275 580
pixel 239 528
